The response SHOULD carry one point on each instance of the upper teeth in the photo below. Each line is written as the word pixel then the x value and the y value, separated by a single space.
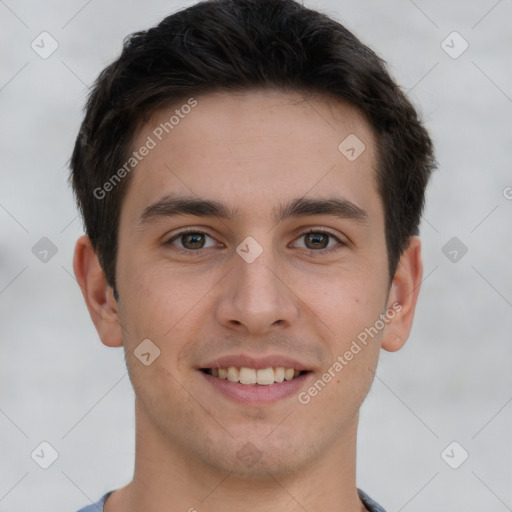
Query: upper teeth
pixel 264 377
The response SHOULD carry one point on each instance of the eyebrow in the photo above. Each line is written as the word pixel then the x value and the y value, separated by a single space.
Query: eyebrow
pixel 173 205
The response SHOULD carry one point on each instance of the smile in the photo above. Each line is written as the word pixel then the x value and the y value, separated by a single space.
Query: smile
pixel 252 376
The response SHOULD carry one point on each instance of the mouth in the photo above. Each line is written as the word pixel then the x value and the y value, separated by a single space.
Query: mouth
pixel 255 376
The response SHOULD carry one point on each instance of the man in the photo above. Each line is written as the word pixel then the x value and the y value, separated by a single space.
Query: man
pixel 251 181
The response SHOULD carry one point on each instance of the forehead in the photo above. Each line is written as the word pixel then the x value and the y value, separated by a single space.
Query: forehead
pixel 255 150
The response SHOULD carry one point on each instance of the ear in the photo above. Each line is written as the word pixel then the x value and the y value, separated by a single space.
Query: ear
pixel 403 296
pixel 97 293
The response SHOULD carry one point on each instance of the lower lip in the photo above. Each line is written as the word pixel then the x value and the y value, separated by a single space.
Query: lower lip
pixel 254 394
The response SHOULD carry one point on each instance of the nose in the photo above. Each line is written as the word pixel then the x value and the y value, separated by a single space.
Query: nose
pixel 257 297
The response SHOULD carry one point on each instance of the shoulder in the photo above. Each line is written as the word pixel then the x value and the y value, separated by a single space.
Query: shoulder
pixel 371 506
pixel 98 506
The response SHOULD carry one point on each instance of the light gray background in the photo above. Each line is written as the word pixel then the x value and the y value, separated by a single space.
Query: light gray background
pixel 452 381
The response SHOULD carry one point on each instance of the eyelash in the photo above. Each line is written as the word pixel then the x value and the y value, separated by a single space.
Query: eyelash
pixel 313 251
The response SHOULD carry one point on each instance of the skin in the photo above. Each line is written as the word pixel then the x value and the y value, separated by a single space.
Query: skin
pixel 254 151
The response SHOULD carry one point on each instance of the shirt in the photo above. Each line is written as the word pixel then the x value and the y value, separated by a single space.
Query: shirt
pixel 370 505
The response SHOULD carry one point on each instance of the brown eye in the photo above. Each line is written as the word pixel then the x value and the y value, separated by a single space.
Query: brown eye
pixel 316 240
pixel 191 240
pixel 320 241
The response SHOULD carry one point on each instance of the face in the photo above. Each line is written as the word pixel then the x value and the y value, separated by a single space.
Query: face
pixel 281 263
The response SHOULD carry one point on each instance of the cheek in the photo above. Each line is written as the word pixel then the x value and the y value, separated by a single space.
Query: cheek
pixel 161 298
pixel 352 349
pixel 347 303
pixel 352 306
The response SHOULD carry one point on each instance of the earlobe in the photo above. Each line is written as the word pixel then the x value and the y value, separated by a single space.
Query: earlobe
pixel 97 293
pixel 403 296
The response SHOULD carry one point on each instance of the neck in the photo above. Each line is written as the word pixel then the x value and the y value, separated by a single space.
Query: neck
pixel 168 479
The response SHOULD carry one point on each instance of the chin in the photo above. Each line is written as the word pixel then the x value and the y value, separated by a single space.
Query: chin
pixel 257 457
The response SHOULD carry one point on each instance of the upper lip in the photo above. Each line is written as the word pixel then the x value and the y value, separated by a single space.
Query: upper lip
pixel 245 360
